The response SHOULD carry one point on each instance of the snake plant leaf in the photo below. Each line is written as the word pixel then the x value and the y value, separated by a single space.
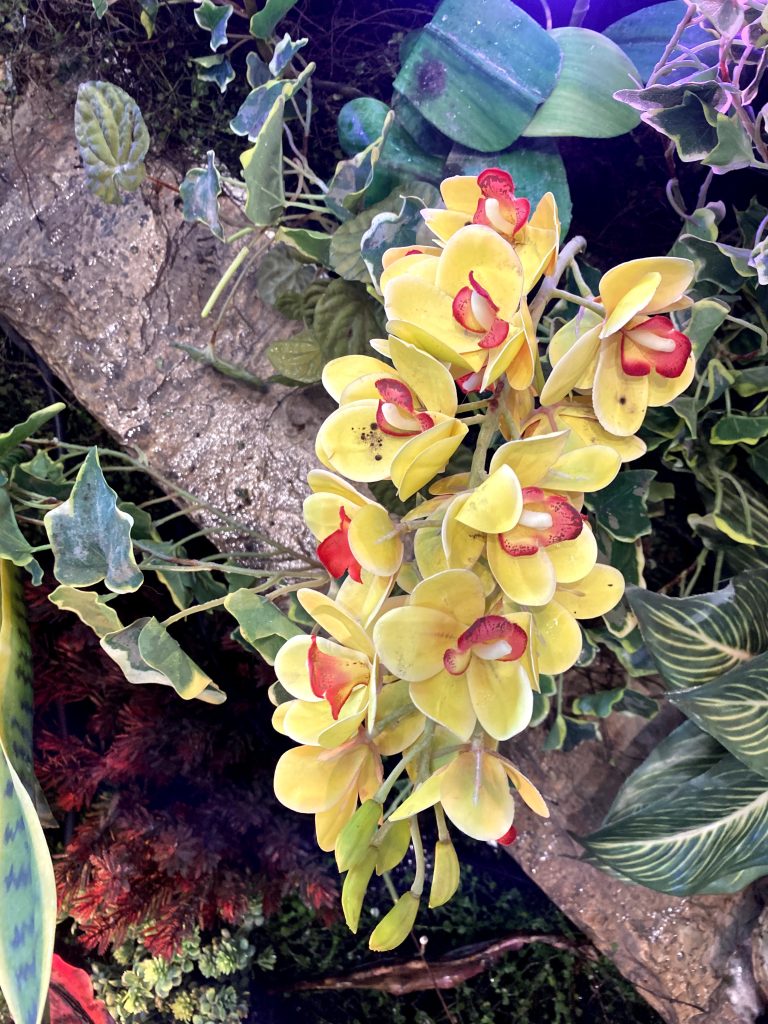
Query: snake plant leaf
pixel 581 103
pixel 264 22
pixel 14 546
pixel 473 60
pixel 147 653
pixel 696 639
pixel 90 536
pixel 91 608
pixel 199 195
pixel 621 508
pixel 284 53
pixel 734 709
pixel 263 626
pixel 403 226
pixel 214 17
pixel 712 826
pixel 215 68
pixel 12 438
pixel 739 429
pixel 262 170
pixel 353 179
pixel 28 921
pixel 643 35
pixel 112 138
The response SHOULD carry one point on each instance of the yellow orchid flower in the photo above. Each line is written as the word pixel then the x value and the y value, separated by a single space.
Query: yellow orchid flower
pixel 470 312
pixel 578 416
pixel 355 533
pixel 473 789
pixel 489 198
pixel 463 666
pixel 391 423
pixel 328 783
pixel 632 357
pixel 319 671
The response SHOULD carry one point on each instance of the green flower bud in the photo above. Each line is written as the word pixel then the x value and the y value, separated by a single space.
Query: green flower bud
pixel 393 846
pixel 354 839
pixel 445 877
pixel 395 927
pixel 355 887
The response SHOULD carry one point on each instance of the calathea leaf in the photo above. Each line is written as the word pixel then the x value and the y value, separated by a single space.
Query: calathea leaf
pixel 90 536
pixel 696 639
pixel 621 508
pixel 112 139
pixel 199 195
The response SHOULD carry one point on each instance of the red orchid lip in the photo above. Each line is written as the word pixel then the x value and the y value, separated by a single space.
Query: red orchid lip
pixel 327 678
pixel 509 837
pixel 394 392
pixel 566 524
pixel 497 185
pixel 489 629
pixel 335 553
pixel 639 359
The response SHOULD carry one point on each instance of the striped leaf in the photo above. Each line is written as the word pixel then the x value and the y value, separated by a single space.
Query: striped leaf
pixel 711 831
pixel 696 639
pixel 734 709
pixel 28 918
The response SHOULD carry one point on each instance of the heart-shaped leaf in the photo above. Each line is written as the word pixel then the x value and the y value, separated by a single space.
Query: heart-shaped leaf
pixel 199 195
pixel 214 17
pixel 112 139
pixel 90 607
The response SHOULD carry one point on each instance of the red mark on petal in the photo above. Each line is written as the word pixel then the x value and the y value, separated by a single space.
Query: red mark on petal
pixel 509 837
pixel 491 628
pixel 456 662
pixel 332 677
pixel 546 519
pixel 482 291
pixel 335 553
pixel 496 335
pixel 496 184
pixel 640 354
pixel 396 392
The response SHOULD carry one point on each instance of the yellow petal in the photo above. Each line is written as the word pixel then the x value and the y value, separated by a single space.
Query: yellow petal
pixel 504 356
pixel 445 699
pixel 494 264
pixel 630 304
pixel 428 377
pixel 322 513
pixel 321 481
pixel 461 192
pixel 396 252
pixel 663 390
pixel 424 796
pixel 335 620
pixel 393 699
pixel 409 576
pixel 310 779
pixel 362 601
pixel 566 337
pixel 444 223
pixel 572 367
pixel 462 545
pixel 339 373
pixel 530 457
pixel 475 795
pixel 450 484
pixel 424 456
pixel 583 469
pixel 599 591
pixel 396 925
pixel 370 776
pixel 573 559
pixel 620 400
pixel 541 237
pixel 530 795
pixel 461 361
pixel 350 442
pixel 494 506
pixel 328 824
pixel 557 637
pixel 305 722
pixel 420 265
pixel 411 641
pixel 675 276
pixel 428 552
pixel 375 542
pixel 525 579
pixel 393 847
pixel 583 424
pixel 521 367
pixel 456 593
pixel 501 696
pixel 430 309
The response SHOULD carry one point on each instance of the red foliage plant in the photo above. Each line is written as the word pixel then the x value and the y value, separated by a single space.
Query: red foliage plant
pixel 168 815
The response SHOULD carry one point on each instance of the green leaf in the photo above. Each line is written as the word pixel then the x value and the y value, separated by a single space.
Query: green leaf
pixel 90 607
pixel 28 920
pixel 734 709
pixel 683 112
pixel 739 429
pixel 12 438
pixel 404 226
pixel 581 103
pixel 311 245
pixel 279 272
pixel 636 703
pixel 264 22
pixel 556 735
pixel 643 35
pixel 263 170
pixel 360 122
pixel 262 625
pixel 705 318
pixel 467 65
pixel 199 195
pixel 100 8
pixel 147 653
pixel 621 508
pixel 14 546
pixel 714 825
pixel 601 703
pixel 284 53
pixel 215 68
pixel 257 107
pixel 90 536
pixel 346 318
pixel 734 146
pixel 44 476
pixel 257 72
pixel 696 639
pixel 739 510
pixel 353 179
pixel 112 139
pixel 299 358
pixel 214 17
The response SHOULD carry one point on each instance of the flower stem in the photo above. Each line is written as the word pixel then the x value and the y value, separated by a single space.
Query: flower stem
pixel 185 612
pixel 417 887
pixel 579 300
pixel 490 425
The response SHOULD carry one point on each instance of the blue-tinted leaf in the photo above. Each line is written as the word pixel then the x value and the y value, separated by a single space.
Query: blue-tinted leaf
pixel 284 53
pixel 643 35
pixel 199 195
pixel 264 22
pixel 257 72
pixel 402 227
pixel 215 68
pixel 214 17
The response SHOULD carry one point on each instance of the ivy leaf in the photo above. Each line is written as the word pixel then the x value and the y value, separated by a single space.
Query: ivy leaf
pixel 621 508
pixel 284 53
pixel 147 653
pixel 600 704
pixel 264 22
pixel 215 68
pixel 12 438
pixel 298 359
pixel 91 608
pixel 353 178
pixel 14 546
pixel 683 112
pixel 309 244
pixel 199 195
pixel 734 147
pixel 257 72
pixel 404 226
pixel 100 8
pixel 256 109
pixel 346 318
pixel 705 318
pixel 90 536
pixel 263 170
pixel 739 429
pixel 112 139
pixel 214 17
pixel 262 625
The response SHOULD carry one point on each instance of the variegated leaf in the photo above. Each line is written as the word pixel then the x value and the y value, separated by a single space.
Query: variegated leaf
pixel 696 639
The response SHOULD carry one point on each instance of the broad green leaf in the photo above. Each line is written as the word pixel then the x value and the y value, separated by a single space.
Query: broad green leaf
pixel 264 22
pixel 734 709
pixel 360 123
pixel 465 67
pixel 643 35
pixel 199 195
pixel 404 226
pixel 263 626
pixel 311 245
pixel 714 825
pixel 739 510
pixel 10 439
pixel 28 920
pixel 90 536
pixel 90 607
pixel 215 68
pixel 284 53
pixel 147 653
pixel 263 170
pixel 683 755
pixel 280 272
pixel 581 103
pixel 14 546
pixel 346 318
pixel 112 139
pixel 403 159
pixel 739 429
pixel 683 112
pixel 734 147
pixel 706 316
pixel 621 508
pixel 214 17
pixel 696 639
pixel 299 358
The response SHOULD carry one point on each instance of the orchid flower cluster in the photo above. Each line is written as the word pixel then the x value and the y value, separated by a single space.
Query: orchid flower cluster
pixel 429 645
